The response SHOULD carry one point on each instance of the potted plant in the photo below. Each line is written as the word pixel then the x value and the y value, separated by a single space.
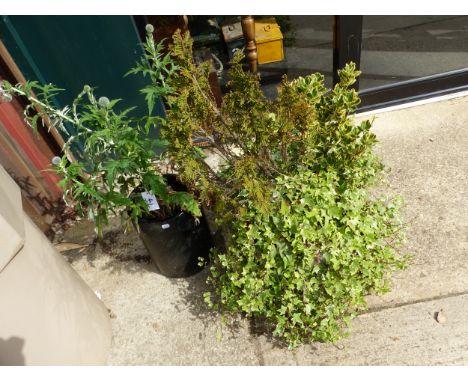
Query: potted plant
pixel 117 172
pixel 306 239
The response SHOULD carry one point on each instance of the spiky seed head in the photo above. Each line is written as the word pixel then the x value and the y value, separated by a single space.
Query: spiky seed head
pixel 56 160
pixel 103 101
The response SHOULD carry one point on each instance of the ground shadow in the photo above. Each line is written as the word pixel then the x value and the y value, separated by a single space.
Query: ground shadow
pixel 123 251
pixel 11 352
pixel 259 327
pixel 191 291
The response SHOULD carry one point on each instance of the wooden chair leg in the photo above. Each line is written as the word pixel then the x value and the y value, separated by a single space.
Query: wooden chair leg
pixel 248 29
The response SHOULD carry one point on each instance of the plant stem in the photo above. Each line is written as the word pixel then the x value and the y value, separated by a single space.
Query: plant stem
pixel 35 101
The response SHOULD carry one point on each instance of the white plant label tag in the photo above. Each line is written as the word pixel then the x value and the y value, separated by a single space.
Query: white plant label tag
pixel 165 226
pixel 150 200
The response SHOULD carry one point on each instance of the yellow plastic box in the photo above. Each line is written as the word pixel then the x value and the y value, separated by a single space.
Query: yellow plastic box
pixel 269 40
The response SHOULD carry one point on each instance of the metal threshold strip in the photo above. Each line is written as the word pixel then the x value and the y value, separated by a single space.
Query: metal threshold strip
pixel 414 90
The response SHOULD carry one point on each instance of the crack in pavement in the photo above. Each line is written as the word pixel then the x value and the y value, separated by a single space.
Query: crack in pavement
pixel 401 304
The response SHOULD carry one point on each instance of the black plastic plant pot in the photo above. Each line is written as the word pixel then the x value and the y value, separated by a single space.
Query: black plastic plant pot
pixel 176 244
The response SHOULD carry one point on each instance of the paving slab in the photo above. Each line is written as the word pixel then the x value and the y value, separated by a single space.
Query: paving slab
pixel 426 151
pixel 157 320
pixel 407 335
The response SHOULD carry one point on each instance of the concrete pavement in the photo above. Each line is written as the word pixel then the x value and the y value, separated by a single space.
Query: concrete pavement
pixel 158 321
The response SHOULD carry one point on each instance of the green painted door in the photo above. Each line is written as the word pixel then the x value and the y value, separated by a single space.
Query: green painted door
pixel 71 51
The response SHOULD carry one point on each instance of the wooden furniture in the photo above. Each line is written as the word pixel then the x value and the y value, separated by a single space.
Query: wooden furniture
pixel 248 28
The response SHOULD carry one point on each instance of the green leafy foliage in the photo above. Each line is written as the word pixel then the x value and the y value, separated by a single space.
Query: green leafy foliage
pixel 158 67
pixel 118 160
pixel 307 265
pixel 305 240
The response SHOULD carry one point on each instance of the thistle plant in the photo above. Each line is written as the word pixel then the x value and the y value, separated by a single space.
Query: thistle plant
pixel 118 159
